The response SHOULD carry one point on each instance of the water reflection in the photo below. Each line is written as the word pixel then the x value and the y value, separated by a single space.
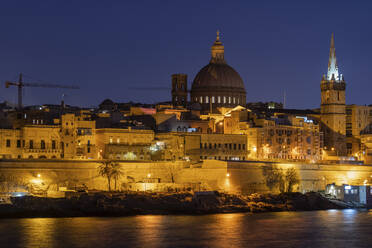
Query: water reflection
pixel 333 228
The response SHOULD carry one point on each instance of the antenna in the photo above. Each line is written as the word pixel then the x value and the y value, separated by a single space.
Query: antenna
pixel 284 99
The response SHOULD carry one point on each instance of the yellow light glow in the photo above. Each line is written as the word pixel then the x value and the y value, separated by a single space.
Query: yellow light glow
pixel 149 175
pixel 38 175
pixel 36 181
pixel 255 149
pixel 228 174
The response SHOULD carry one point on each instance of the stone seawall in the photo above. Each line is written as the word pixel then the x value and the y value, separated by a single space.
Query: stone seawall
pixel 248 177
pixel 233 177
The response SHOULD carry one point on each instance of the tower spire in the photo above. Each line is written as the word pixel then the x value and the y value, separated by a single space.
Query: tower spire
pixel 332 73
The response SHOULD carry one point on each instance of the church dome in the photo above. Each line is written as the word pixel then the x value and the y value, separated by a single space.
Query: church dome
pixel 218 84
pixel 215 75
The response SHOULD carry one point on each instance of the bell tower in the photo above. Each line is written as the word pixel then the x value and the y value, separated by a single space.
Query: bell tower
pixel 179 90
pixel 333 108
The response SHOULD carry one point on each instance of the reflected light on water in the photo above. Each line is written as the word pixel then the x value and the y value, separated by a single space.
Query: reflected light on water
pixel 37 232
pixel 332 228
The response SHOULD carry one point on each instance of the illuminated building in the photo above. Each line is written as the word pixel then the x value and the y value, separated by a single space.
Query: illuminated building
pixel 332 108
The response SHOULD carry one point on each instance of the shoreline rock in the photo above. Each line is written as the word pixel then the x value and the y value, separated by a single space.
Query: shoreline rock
pixel 128 204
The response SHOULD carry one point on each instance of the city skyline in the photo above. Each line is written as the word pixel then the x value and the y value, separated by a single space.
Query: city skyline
pixel 114 51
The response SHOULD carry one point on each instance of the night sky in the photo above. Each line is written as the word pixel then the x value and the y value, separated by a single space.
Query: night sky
pixel 113 49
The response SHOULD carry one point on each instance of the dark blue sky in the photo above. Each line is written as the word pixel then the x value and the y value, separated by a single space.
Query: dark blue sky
pixel 109 47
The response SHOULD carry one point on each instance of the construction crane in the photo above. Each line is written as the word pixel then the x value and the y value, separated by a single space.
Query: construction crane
pixel 20 84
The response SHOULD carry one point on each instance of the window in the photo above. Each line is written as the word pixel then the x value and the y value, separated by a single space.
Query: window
pixel 23 143
pixel 238 100
pixel 18 143
pixel 206 99
pixel 31 144
pixel 224 99
pixel 53 144
pixel 243 146
pixel 88 149
pixel 210 146
pixel 219 101
pixel 88 143
pixel 229 99
pixel 240 147
pixel 118 140
pixel 8 143
pixel 234 146
pixel 212 99
pixel 201 99
pixel 234 100
pixel 111 140
pixel 42 144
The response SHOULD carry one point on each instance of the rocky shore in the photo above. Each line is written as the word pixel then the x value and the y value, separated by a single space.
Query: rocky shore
pixel 125 204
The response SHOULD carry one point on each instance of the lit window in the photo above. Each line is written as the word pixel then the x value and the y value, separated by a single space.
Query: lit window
pixel 234 100
pixel 201 99
pixel 206 99
pixel 110 140
pixel 118 140
pixel 238 100
pixel 224 99
pixel 219 99
pixel 196 99
pixel 229 99
pixel 212 99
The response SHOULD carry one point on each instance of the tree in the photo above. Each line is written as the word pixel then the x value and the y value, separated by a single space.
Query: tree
pixel 116 172
pixel 110 170
pixel 276 178
pixel 291 178
pixel 104 170
pixel 273 178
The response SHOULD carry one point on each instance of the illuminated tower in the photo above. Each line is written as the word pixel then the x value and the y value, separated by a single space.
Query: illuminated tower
pixel 179 90
pixel 333 109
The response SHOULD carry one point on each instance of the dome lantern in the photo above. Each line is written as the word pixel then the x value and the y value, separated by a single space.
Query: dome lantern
pixel 217 51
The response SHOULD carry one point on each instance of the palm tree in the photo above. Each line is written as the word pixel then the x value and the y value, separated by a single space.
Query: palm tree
pixel 104 170
pixel 110 170
pixel 116 172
